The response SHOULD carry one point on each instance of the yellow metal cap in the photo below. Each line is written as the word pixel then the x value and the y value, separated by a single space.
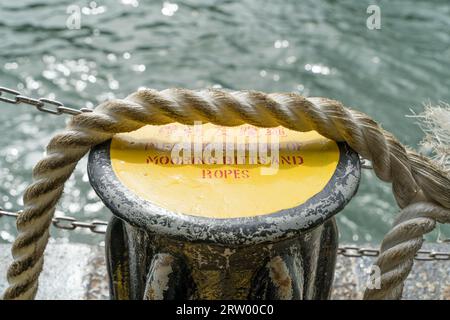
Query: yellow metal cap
pixel 199 170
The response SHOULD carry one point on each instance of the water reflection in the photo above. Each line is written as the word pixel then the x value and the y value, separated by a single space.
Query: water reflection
pixel 169 8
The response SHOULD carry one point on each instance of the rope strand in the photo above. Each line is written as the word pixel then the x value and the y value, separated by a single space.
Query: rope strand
pixel 410 174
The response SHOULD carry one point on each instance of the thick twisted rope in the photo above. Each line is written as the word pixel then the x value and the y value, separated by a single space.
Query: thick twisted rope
pixel 401 244
pixel 413 177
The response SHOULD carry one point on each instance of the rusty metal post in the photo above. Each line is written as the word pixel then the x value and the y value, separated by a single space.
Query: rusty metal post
pixel 156 252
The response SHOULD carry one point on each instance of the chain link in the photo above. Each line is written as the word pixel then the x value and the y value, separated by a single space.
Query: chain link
pixel 99 227
pixel 41 104
pixel 422 255
pixel 67 223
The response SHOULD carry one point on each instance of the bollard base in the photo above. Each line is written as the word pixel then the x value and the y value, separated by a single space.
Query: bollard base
pixel 75 271
pixel 144 265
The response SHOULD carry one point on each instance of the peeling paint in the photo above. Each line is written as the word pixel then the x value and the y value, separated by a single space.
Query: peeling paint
pixel 161 270
pixel 279 274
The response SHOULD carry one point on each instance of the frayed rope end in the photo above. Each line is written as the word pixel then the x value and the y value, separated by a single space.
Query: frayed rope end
pixel 435 123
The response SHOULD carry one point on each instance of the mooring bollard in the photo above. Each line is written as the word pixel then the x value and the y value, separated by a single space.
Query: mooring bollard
pixel 201 229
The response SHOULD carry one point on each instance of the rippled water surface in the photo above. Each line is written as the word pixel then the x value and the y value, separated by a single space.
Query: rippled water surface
pixel 317 48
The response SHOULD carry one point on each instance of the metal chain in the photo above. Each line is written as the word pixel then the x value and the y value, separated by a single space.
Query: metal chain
pixel 67 223
pixel 98 226
pixel 41 104
pixel 422 255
